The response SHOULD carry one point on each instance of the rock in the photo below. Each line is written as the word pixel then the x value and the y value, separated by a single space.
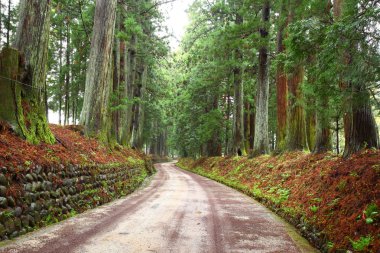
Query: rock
pixel 32 221
pixel 10 226
pixel 3 202
pixel 25 220
pixel 37 217
pixel 3 230
pixel 3 180
pixel 28 187
pixel 13 235
pixel 34 187
pixel 34 175
pixel 3 191
pixel 44 213
pixel 23 231
pixel 29 177
pixel 45 186
pixel 46 195
pixel 66 190
pixel 11 201
pixel 58 202
pixel 17 212
pixel 38 206
pixel 39 186
pixel 38 169
pixel 72 190
pixel 68 182
pixel 69 207
pixel 54 194
pixel 50 176
pixel 17 222
pixel 28 198
pixel 33 207
pixel 44 175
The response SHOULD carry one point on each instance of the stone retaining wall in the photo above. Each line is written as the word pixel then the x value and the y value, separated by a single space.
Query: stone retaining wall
pixel 35 197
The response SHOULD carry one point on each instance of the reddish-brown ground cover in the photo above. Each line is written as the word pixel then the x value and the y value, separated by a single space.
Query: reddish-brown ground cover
pixel 329 193
pixel 71 148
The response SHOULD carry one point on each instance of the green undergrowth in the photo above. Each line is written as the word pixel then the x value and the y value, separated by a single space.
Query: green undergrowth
pixel 312 192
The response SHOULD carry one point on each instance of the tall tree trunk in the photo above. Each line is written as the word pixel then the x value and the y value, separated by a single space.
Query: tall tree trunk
pixel 337 127
pixel 130 75
pixel 214 145
pixel 95 112
pixel 282 87
pixel 228 113
pixel 323 139
pixel 296 138
pixel 238 133
pixel 360 127
pixel 9 22
pixel 139 119
pixel 32 39
pixel 311 125
pixel 117 83
pixel 261 142
pixel 60 85
pixel 68 72
pixel 296 122
pixel 249 126
pixel 1 23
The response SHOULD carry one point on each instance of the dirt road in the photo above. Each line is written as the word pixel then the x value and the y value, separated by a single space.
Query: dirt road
pixel 177 212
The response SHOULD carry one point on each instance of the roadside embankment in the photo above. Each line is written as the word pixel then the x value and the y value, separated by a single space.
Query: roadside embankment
pixel 333 202
pixel 43 184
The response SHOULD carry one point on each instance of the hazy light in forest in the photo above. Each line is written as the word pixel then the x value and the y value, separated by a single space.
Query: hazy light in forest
pixel 177 19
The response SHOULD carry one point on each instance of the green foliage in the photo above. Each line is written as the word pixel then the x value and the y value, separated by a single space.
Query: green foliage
pixel 314 208
pixel 362 243
pixel 371 213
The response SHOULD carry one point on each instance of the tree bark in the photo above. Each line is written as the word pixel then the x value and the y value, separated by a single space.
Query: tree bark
pixel 32 40
pixel 296 138
pixel 249 126
pixel 282 87
pixel 95 112
pixel 261 141
pixel 9 23
pixel 117 82
pixel 130 75
pixel 360 127
pixel 68 72
pixel 228 114
pixel 1 21
pixel 311 128
pixel 296 122
pixel 238 133
pixel 60 76
pixel 139 111
pixel 323 139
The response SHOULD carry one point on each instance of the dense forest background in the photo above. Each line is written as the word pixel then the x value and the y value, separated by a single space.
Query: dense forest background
pixel 251 77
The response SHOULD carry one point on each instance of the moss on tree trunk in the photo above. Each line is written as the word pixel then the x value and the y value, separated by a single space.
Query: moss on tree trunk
pixel 19 103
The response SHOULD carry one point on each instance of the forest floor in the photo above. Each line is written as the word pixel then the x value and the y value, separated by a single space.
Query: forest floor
pixel 332 201
pixel 71 148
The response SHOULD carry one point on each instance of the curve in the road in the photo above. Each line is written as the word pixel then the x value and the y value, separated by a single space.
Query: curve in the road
pixel 178 212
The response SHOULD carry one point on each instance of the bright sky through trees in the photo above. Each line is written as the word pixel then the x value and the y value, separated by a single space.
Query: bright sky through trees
pixel 177 19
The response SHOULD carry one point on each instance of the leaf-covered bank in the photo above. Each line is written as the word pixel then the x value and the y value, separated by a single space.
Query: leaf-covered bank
pixel 43 184
pixel 333 202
